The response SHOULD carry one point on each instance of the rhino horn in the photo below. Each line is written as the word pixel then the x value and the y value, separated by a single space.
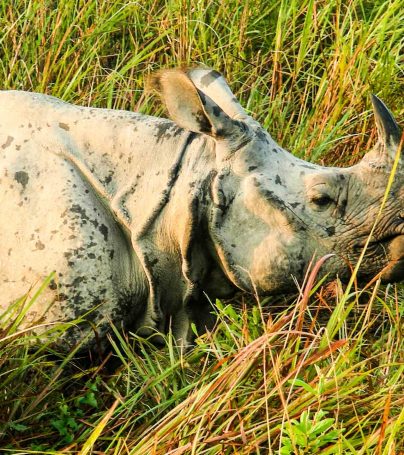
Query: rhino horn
pixel 388 129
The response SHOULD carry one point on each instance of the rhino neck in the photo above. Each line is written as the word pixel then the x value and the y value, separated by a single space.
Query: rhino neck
pixel 171 244
pixel 150 174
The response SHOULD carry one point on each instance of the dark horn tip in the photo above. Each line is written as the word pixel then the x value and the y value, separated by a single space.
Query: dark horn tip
pixel 388 127
pixel 378 103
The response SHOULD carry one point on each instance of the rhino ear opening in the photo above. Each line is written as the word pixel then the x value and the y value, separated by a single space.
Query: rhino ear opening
pixel 190 108
pixel 388 129
pixel 181 100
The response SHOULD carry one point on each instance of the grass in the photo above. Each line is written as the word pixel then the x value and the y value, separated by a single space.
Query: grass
pixel 321 375
pixel 247 387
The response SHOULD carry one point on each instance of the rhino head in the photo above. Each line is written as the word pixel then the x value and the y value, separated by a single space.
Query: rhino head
pixel 271 213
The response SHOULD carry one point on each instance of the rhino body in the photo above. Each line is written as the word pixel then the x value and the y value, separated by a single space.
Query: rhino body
pixel 142 216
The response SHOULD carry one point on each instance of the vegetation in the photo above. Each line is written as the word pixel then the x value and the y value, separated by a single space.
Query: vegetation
pixel 321 375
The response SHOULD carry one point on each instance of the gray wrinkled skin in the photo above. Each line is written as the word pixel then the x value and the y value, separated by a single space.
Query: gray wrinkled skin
pixel 141 216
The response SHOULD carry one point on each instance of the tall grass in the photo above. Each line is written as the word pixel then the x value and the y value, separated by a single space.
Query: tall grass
pixel 322 375
pixel 305 68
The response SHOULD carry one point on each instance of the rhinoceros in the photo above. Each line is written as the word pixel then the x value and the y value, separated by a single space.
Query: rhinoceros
pixel 143 217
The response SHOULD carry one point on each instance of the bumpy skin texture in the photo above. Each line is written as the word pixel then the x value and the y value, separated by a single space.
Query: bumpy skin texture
pixel 140 216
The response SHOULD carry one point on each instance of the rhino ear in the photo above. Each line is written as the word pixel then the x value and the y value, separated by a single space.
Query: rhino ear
pixel 388 129
pixel 193 110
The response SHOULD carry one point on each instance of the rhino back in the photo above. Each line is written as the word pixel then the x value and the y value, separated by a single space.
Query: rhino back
pixel 128 158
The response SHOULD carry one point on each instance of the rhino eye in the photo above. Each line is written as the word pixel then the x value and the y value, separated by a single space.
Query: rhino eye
pixel 322 201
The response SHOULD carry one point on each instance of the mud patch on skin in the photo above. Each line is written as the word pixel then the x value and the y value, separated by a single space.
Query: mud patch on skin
pixel 104 231
pixel 64 126
pixel 108 178
pixel 217 111
pixel 166 130
pixel 76 208
pixel 39 245
pixel 8 142
pixel 209 78
pixel 22 178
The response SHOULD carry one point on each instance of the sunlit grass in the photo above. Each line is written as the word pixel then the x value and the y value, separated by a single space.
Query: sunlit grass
pixel 330 364
pixel 243 388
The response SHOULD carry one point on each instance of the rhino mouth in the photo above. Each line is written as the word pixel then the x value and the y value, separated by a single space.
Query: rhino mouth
pixel 394 270
pixel 385 240
pixel 389 235
pixel 373 245
pixel 386 249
